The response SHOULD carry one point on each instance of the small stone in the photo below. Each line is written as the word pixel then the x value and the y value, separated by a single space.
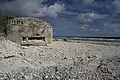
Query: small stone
pixel 21 54
pixel 46 76
pixel 58 77
pixel 52 76
pixel 25 47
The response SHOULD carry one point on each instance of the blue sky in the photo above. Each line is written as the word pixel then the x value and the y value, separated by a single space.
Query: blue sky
pixel 71 17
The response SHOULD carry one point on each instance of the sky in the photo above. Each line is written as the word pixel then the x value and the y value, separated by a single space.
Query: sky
pixel 97 18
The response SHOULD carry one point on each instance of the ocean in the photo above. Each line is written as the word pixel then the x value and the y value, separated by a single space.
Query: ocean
pixel 105 39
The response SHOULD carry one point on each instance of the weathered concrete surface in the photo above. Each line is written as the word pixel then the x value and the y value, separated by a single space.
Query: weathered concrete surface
pixel 29 31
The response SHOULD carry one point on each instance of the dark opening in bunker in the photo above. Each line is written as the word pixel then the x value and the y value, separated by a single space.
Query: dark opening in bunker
pixel 33 38
pixel 24 38
pixel 36 38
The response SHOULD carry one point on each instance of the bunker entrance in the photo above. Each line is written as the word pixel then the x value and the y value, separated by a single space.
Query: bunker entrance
pixel 33 38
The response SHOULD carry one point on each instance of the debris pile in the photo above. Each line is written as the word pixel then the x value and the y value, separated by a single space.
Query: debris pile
pixel 60 61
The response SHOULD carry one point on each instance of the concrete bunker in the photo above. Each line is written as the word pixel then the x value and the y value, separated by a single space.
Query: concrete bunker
pixel 29 31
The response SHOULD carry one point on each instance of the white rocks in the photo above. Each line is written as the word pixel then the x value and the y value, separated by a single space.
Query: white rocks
pixel 72 57
pixel 25 47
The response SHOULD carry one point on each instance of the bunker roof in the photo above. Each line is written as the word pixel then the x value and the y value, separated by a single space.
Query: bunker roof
pixel 32 19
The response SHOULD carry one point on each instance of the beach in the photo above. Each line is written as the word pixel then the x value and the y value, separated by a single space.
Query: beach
pixel 62 60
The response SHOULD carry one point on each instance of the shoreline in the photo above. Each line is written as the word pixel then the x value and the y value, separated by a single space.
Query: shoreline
pixel 99 42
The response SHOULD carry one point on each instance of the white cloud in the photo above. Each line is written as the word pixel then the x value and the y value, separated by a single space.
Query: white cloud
pixel 89 17
pixel 116 5
pixel 88 2
pixel 86 27
pixel 111 27
pixel 32 8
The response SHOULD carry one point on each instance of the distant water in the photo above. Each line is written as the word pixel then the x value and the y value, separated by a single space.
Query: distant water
pixel 107 39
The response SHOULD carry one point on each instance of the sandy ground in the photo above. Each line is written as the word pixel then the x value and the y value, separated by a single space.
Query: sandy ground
pixel 60 61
